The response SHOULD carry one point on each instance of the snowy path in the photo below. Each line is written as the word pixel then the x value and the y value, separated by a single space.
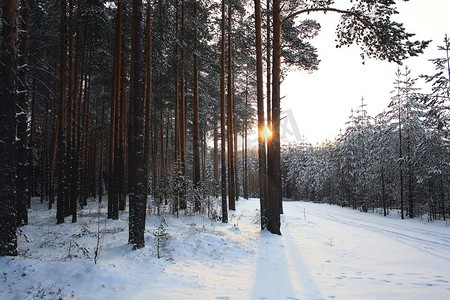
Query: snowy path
pixel 434 241
pixel 325 252
pixel 372 257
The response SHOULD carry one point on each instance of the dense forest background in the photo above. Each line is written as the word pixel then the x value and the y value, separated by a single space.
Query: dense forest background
pixel 398 159
pixel 115 99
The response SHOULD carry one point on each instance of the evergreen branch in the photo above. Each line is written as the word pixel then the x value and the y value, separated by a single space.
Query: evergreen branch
pixel 318 9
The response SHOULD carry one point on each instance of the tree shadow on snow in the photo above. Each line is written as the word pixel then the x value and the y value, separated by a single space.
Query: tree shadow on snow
pixel 280 270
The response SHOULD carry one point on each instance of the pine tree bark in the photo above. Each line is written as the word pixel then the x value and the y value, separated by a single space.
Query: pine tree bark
pixel 262 173
pixel 32 177
pixel 138 193
pixel 410 175
pixel 216 156
pixel 23 196
pixel 222 118
pixel 78 151
pixel 72 208
pixel 268 69
pixel 162 174
pixel 45 161
pixel 148 95
pixel 273 149
pixel 236 158
pixel 400 146
pixel 230 120
pixel 60 205
pixel 52 163
pixel 244 145
pixel 102 150
pixel 76 104
pixel 383 191
pixel 121 140
pixel 183 108
pixel 204 147
pixel 8 159
pixel 195 135
pixel 113 201
pixel 84 157
pixel 131 106
pixel 177 147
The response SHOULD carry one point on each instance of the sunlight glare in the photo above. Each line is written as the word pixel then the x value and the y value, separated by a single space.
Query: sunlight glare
pixel 267 133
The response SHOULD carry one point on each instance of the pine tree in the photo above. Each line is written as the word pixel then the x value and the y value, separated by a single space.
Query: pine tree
pixel 261 122
pixel 138 201
pixel 222 119
pixel 388 40
pixel 439 99
pixel 8 154
pixel 113 190
pixel 196 121
pixel 23 195
pixel 230 117
pixel 60 161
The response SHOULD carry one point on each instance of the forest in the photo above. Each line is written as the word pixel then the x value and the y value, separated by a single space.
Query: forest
pixel 146 106
pixel 398 159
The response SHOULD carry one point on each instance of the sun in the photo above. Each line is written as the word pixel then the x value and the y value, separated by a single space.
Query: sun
pixel 266 133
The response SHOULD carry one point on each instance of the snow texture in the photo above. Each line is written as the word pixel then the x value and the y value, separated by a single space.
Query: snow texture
pixel 325 252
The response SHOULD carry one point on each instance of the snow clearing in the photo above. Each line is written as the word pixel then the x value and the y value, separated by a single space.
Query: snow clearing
pixel 325 252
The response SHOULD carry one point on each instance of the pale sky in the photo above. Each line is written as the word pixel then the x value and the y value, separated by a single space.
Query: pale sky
pixel 322 101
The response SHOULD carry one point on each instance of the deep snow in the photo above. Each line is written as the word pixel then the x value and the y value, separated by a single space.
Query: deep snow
pixel 325 252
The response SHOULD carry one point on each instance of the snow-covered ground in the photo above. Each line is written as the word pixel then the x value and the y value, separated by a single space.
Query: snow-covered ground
pixel 325 252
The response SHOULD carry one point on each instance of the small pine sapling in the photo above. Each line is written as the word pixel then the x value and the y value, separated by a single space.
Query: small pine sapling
pixel 161 237
pixel 100 235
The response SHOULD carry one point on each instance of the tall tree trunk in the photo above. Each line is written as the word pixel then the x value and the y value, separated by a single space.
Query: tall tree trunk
pixel 236 159
pixel 177 108
pixel 138 193
pixel 74 177
pixel 204 151
pixel 60 207
pixel 262 173
pixel 148 95
pixel 8 159
pixel 183 109
pixel 383 191
pixel 195 135
pixel 168 161
pixel 161 159
pixel 410 168
pixel 45 160
pixel 244 144
pixel 273 149
pixel 268 73
pixel 113 201
pixel 93 164
pixel 23 196
pixel 32 178
pixel 154 151
pixel 117 148
pixel 400 146
pixel 70 205
pixel 410 180
pixel 52 165
pixel 222 118
pixel 216 157
pixel 131 106
pixel 442 197
pixel 121 140
pixel 84 142
pixel 102 150
pixel 230 119
pixel 78 156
